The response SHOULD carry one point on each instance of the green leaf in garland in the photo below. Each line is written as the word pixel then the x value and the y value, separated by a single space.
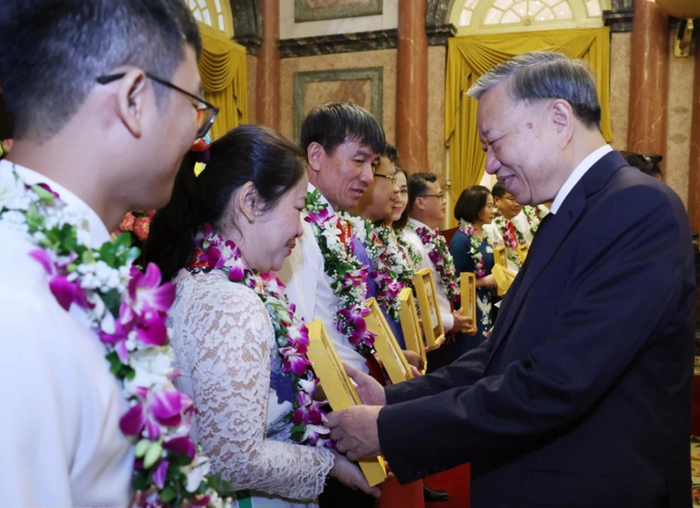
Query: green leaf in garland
pixel 168 494
pixel 115 364
pixel 112 300
pixel 44 195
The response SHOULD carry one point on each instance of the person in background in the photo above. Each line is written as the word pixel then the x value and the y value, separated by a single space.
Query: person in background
pixel 472 251
pixel 426 205
pixel 509 226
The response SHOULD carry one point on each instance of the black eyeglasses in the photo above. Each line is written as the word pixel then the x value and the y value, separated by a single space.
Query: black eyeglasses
pixel 392 179
pixel 439 196
pixel 206 113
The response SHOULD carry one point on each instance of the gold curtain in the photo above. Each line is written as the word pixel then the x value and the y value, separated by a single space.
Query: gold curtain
pixel 225 79
pixel 468 58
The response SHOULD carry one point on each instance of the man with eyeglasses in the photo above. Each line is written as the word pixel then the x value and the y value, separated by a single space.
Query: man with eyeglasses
pixel 105 101
pixel 426 208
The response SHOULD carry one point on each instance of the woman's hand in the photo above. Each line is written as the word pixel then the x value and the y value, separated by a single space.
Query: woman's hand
pixel 370 391
pixel 348 473
pixel 414 359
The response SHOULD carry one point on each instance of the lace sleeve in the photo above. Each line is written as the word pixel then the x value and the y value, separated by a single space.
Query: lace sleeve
pixel 231 385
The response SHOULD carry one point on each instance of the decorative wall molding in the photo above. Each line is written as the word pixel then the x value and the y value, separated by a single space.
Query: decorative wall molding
pixel 437 22
pixel 247 24
pixel 339 43
pixel 303 13
pixel 619 18
pixel 374 74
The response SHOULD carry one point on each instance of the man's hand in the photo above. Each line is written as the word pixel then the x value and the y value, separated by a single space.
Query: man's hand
pixel 351 475
pixel 369 390
pixel 439 343
pixel 355 431
pixel 414 359
pixel 462 322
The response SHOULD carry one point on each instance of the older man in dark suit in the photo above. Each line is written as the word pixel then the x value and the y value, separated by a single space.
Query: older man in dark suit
pixel 581 397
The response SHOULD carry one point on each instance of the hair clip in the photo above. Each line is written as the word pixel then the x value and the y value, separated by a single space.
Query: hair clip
pixel 201 149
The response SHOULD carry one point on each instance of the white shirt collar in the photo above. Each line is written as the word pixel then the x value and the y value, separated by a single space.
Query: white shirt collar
pixel 312 188
pixel 99 233
pixel 577 174
pixel 417 224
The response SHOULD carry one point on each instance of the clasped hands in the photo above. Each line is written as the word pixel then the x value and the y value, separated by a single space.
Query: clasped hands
pixel 355 430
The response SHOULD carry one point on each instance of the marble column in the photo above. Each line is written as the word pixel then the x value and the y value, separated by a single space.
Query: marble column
pixel 267 108
pixel 694 167
pixel 412 87
pixel 648 106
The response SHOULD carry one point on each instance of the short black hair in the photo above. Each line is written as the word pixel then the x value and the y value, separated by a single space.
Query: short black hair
pixel 333 123
pixel 417 185
pixel 391 153
pixel 54 50
pixel 499 190
pixel 471 202
pixel 648 164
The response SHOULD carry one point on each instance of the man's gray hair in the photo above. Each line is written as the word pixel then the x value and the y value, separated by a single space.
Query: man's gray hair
pixel 541 75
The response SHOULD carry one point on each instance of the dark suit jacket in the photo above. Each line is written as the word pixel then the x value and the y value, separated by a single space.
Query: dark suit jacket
pixel 581 398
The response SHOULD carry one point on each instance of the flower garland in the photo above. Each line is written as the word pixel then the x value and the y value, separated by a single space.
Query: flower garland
pixel 475 241
pixel 512 237
pixel 138 222
pixel 334 233
pixel 391 271
pixel 413 255
pixel 5 147
pixel 534 216
pixel 438 253
pixel 212 252
pixel 127 310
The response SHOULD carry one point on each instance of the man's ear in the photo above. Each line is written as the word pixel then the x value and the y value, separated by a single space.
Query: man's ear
pixel 315 155
pixel 131 99
pixel 562 116
pixel 248 202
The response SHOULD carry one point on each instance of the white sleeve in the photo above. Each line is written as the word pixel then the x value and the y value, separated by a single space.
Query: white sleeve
pixel 301 272
pixel 232 336
pixel 36 444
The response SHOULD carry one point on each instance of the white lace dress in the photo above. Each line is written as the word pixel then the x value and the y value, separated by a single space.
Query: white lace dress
pixel 225 348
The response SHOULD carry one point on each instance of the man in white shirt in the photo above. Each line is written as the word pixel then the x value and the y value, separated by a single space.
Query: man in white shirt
pixel 426 205
pixel 343 143
pixel 105 149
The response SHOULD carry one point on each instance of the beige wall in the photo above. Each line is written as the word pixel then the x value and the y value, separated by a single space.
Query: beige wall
pixel 436 110
pixel 383 58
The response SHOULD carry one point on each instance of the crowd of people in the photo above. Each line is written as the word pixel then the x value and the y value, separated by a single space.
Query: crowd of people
pixel 186 382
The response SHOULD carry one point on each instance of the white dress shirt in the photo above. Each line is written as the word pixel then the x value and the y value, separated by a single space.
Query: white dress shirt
pixel 309 288
pixel 60 443
pixel 410 235
pixel 577 174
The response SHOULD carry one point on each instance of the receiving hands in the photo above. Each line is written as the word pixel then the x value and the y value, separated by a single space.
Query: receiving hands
pixel 462 323
pixel 349 473
pixel 414 360
pixel 489 280
pixel 370 391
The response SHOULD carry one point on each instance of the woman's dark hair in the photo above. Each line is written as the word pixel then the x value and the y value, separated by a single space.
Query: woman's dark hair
pixel 648 164
pixel 403 220
pixel 471 202
pixel 248 153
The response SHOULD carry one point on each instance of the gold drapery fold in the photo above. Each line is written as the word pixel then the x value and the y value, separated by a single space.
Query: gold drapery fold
pixel 468 58
pixel 225 79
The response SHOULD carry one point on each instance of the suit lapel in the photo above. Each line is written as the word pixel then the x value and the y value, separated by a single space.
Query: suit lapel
pixel 549 240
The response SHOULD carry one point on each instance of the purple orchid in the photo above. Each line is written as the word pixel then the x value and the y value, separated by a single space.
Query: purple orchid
pixel 321 218
pixel 66 291
pixel 159 474
pixel 181 445
pixel 164 408
pixel 145 290
pixel 292 362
